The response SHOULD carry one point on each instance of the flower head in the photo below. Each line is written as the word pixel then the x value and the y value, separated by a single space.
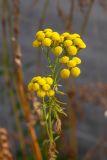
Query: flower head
pixel 40 35
pixel 71 63
pixel 75 72
pixel 50 93
pixel 67 43
pixel 65 73
pixel 36 43
pixel 79 42
pixel 64 59
pixel 72 50
pixel 77 60
pixel 57 50
pixel 55 36
pixel 47 42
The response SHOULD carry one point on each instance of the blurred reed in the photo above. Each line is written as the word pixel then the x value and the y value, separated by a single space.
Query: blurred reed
pixel 8 76
pixel 19 81
pixel 5 149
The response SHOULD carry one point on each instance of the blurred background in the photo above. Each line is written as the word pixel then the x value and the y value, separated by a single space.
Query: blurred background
pixel 84 131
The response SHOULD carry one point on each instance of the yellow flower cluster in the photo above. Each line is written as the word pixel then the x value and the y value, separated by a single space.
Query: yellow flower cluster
pixel 59 43
pixel 63 46
pixel 42 86
pixel 71 67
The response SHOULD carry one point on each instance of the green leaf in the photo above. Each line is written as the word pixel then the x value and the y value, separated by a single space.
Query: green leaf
pixel 60 102
pixel 56 138
pixel 47 116
pixel 59 92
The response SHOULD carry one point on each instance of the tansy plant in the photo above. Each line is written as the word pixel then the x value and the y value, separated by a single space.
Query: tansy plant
pixel 65 47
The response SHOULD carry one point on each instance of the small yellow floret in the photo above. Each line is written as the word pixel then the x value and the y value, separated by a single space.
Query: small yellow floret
pixel 40 35
pixel 72 50
pixel 67 43
pixel 65 73
pixel 61 39
pixel 41 81
pixel 30 86
pixel 65 34
pixel 55 36
pixel 77 60
pixel 36 87
pixel 71 63
pixel 48 30
pixel 35 79
pixel 73 36
pixel 46 87
pixel 64 59
pixel 36 43
pixel 79 42
pixel 49 80
pixel 41 93
pixel 75 72
pixel 47 42
pixel 50 93
pixel 48 34
pixel 57 50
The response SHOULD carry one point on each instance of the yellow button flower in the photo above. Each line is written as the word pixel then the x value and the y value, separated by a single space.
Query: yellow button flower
pixel 34 79
pixel 73 36
pixel 48 34
pixel 57 50
pixel 67 43
pixel 65 34
pixel 46 87
pixel 61 39
pixel 79 42
pixel 41 93
pixel 48 30
pixel 77 60
pixel 55 36
pixel 72 50
pixel 50 93
pixel 71 63
pixel 64 59
pixel 40 35
pixel 30 86
pixel 41 81
pixel 36 43
pixel 75 72
pixel 47 42
pixel 36 87
pixel 44 78
pixel 49 80
pixel 65 73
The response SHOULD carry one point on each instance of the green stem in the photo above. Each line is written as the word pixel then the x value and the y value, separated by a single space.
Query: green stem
pixel 45 116
pixel 50 124
pixel 48 58
pixel 56 75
